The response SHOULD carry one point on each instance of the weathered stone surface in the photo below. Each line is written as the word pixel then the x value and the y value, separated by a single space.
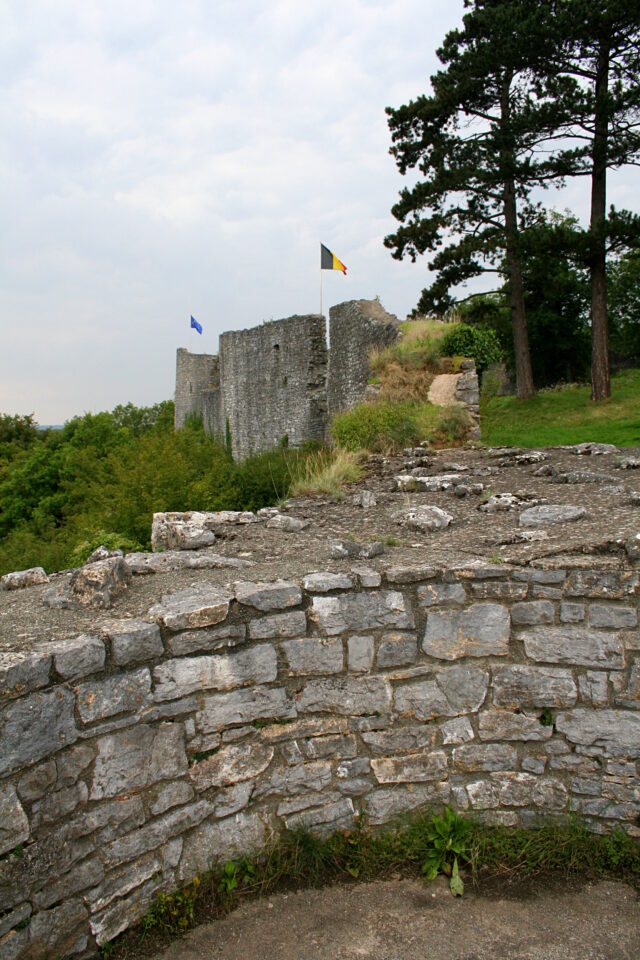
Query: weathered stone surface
pixel 385 804
pixel 574 645
pixel 35 782
pixel 293 624
pixel 57 805
pixel 14 826
pixel 360 654
pixel 138 757
pixel 122 880
pixel 481 630
pixel 523 789
pixel 365 499
pixel 310 655
pixel 629 463
pixel 307 727
pixel 593 687
pixel 287 524
pixel 484 756
pixel 109 820
pixel 279 595
pixel 171 795
pixel 346 696
pixel 500 503
pixel 441 481
pixel 413 574
pixel 591 449
pixel 60 932
pixel 20 579
pixel 77 656
pixel 11 920
pixel 353 777
pixel 34 727
pixel 184 675
pixel 72 762
pixel 22 672
pixel 349 549
pixel 133 640
pixel 300 778
pixel 200 606
pixel 498 590
pixel 602 584
pixel 361 611
pixel 123 692
pixel 458 690
pixel 617 732
pixel 397 649
pixel 434 594
pixel 244 706
pixel 332 747
pixel 367 576
pixel 535 611
pixel 216 842
pixel 425 518
pixel 84 875
pixel 182 531
pixel 483 794
pixel 618 618
pixel 416 768
pixel 505 725
pixel 94 585
pixel 143 564
pixel 572 612
pixel 548 513
pixel 212 638
pixel 325 820
pixel 412 739
pixel 155 833
pixel 125 911
pixel 324 582
pixel 520 686
pixel 231 765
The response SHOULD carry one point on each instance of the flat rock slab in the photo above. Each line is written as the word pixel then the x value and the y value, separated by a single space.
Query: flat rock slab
pixel 410 920
pixel 547 513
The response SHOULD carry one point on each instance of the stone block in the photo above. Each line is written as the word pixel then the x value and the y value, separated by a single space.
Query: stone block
pixel 77 657
pixel 400 740
pixel 337 746
pixel 244 706
pixel 57 805
pixel 523 789
pixel 483 795
pixel 549 513
pixel 458 730
pixel 413 574
pixel 184 675
pixel 133 640
pixel 608 584
pixel 22 672
pixel 279 625
pixel 121 693
pixel 14 826
pixel 533 612
pixel 504 725
pixel 204 641
pixel 279 595
pixel 307 727
pixel 171 795
pixel 415 768
pixel 367 577
pixel 616 618
pixel 122 880
pixel 309 655
pixel 360 654
pixel 95 584
pixel 361 611
pixel 424 518
pixel 72 762
pixel 10 921
pixel 219 841
pixel 230 765
pixel 20 579
pixel 155 833
pixel 435 594
pixel 286 524
pixel 36 726
pixel 616 732
pixel 520 686
pixel 301 778
pixel 37 780
pixel 349 697
pixel 389 802
pixel 325 820
pixel 350 550
pixel 138 757
pixel 325 582
pixel 397 649
pixel 83 875
pixel 453 692
pixel 572 612
pixel 471 757
pixel 594 688
pixel 481 630
pixel 61 932
pixel 578 646
pixel 203 605
pixel 498 590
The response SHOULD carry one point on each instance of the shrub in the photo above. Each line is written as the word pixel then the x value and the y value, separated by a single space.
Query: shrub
pixel 481 344
pixel 379 427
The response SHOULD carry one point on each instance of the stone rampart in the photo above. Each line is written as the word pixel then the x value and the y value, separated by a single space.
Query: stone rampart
pixel 196 374
pixel 134 756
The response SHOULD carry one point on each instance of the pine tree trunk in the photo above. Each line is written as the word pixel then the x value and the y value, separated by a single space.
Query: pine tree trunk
pixel 600 382
pixel 524 374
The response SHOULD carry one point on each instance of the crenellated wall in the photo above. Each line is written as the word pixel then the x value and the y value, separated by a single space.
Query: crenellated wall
pixel 133 758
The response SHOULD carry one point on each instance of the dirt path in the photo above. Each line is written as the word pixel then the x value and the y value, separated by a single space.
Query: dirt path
pixel 406 920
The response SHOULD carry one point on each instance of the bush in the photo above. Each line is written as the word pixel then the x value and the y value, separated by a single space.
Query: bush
pixel 378 427
pixel 481 344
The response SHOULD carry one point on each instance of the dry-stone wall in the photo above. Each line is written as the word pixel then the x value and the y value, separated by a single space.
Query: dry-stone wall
pixel 197 382
pixel 133 757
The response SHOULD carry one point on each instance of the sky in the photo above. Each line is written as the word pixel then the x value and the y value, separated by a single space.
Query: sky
pixel 162 159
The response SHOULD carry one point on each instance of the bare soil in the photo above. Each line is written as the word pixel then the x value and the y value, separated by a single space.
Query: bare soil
pixel 610 495
pixel 407 920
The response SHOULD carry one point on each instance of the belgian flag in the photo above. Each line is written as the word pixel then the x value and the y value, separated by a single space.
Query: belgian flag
pixel 329 261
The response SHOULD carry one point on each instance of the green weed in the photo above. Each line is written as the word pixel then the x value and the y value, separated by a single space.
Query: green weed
pixel 449 840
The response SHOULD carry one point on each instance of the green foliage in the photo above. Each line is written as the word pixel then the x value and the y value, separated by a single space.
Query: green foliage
pixel 566 416
pixel 623 296
pixel 478 342
pixel 449 839
pixel 173 912
pixel 101 538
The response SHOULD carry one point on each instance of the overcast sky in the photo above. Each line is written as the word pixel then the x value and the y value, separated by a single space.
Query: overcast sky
pixel 162 159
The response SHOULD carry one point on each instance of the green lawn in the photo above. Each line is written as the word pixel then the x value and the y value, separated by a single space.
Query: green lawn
pixel 566 416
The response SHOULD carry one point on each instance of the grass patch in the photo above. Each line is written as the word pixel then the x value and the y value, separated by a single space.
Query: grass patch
pixel 299 860
pixel 566 416
pixel 327 471
pixel 387 427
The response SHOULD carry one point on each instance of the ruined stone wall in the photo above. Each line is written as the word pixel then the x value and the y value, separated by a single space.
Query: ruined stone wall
pixel 133 758
pixel 355 327
pixel 195 374
pixel 273 383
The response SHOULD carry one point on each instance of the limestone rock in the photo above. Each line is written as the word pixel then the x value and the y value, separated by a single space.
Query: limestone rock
pixel 36 726
pixel 454 691
pixel 593 449
pixel 434 594
pixel 278 625
pixel 123 692
pixel 325 582
pixel 14 826
pixel 616 731
pixel 94 585
pixel 77 657
pixel 577 646
pixel 184 675
pixel 349 549
pixel 142 564
pixel 244 706
pixel 279 595
pixel 361 611
pixel 506 725
pixel 137 757
pixel 203 605
pixel 424 518
pixel 364 499
pixel 500 503
pixel 21 672
pixel 313 655
pixel 133 640
pixel 218 841
pixel 630 463
pixel 192 529
pixel 549 513
pixel 230 765
pixel 387 803
pixel 520 686
pixel 415 768
pixel 287 524
pixel 20 579
pixel 346 696
pixel 442 481
pixel 481 630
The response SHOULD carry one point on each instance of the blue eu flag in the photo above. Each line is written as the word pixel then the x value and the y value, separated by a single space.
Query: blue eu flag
pixel 195 325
